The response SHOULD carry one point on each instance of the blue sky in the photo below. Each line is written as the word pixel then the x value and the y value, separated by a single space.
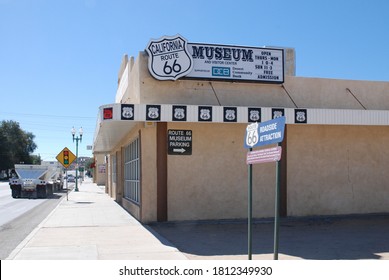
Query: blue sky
pixel 59 59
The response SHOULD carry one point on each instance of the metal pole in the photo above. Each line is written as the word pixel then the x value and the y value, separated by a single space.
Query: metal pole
pixel 76 189
pixel 67 190
pixel 277 208
pixel 250 208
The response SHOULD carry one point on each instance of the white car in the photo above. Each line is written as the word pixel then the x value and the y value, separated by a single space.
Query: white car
pixel 71 178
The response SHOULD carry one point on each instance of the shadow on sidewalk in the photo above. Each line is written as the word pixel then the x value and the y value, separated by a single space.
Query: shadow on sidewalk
pixel 319 238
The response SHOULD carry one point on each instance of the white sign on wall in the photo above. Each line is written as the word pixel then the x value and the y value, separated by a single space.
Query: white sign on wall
pixel 237 63
pixel 173 57
pixel 101 168
pixel 169 58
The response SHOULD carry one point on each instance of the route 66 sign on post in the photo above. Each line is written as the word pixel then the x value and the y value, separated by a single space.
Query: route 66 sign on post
pixel 251 135
pixel 269 132
pixel 266 133
pixel 169 58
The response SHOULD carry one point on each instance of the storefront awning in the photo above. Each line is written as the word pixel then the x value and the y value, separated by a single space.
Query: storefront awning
pixel 109 133
pixel 117 120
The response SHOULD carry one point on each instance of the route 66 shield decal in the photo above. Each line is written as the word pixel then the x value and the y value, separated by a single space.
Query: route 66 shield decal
pixel 169 58
pixel 252 136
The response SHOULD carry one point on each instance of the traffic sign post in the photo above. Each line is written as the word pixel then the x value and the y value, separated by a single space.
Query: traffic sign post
pixel 66 157
pixel 266 133
pixel 277 209
pixel 250 209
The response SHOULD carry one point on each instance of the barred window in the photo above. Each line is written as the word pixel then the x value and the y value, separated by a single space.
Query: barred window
pixel 132 171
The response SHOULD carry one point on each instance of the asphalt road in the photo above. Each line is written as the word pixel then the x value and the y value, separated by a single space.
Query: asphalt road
pixel 11 208
pixel 19 217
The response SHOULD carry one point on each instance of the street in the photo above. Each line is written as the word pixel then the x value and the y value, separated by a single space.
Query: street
pixel 11 208
pixel 18 217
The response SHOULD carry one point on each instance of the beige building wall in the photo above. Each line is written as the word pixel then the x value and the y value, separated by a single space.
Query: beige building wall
pixel 149 173
pixel 146 210
pixel 100 177
pixel 212 182
pixel 110 187
pixel 120 176
pixel 337 169
pixel 295 92
pixel 331 169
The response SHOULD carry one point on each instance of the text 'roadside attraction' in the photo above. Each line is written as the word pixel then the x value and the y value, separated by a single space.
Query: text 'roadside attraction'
pixel 266 133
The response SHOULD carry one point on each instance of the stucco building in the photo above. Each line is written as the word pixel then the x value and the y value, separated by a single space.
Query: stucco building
pixel 172 150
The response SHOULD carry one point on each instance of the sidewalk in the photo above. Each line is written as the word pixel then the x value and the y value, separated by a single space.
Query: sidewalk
pixel 348 237
pixel 90 226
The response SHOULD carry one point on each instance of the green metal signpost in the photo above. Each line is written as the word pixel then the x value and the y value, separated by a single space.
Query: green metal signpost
pixel 250 208
pixel 266 133
pixel 277 209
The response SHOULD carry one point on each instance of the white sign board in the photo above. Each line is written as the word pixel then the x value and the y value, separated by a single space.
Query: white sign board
pixel 265 133
pixel 236 63
pixel 264 155
pixel 101 168
pixel 169 58
pixel 172 57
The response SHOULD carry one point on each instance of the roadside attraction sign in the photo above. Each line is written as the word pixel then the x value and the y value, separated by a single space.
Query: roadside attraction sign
pixel 265 133
pixel 257 135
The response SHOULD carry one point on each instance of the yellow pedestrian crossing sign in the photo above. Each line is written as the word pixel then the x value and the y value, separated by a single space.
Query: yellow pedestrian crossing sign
pixel 66 157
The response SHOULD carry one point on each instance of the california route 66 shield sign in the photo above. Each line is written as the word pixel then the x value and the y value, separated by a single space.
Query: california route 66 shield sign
pixel 169 58
pixel 251 135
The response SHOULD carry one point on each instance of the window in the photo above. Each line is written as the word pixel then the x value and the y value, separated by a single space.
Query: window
pixel 132 171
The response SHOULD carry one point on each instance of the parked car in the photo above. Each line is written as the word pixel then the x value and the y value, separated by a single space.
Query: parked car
pixel 71 178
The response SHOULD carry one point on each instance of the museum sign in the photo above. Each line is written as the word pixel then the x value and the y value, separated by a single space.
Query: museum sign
pixel 171 58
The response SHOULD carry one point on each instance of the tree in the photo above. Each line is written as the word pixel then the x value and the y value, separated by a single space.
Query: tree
pixel 36 159
pixel 90 164
pixel 16 145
